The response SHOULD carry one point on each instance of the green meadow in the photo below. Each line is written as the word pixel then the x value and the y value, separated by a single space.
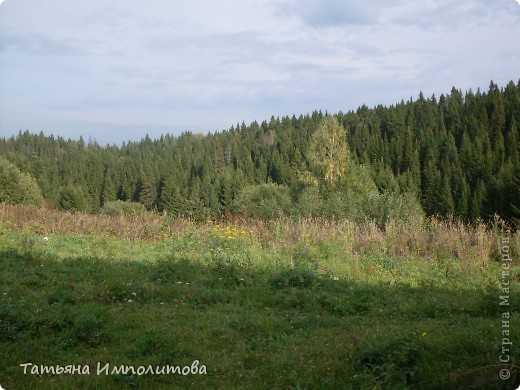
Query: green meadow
pixel 284 304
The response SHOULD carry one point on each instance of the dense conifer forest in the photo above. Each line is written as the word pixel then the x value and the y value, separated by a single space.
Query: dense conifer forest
pixel 453 156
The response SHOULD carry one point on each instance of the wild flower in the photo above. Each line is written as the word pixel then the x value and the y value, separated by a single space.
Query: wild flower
pixel 228 232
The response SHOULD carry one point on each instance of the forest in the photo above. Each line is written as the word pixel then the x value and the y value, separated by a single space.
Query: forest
pixel 454 156
pixel 373 249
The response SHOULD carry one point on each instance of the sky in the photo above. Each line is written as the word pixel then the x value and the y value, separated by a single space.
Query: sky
pixel 118 70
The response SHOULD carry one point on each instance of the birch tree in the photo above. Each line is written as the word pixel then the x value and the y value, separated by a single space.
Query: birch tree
pixel 328 153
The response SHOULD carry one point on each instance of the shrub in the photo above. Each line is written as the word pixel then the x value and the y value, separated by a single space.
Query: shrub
pixel 266 201
pixel 403 207
pixel 17 187
pixel 309 203
pixel 356 198
pixel 71 199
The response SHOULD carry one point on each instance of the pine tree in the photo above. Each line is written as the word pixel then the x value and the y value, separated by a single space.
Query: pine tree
pixel 446 205
pixel 171 199
pixel 430 188
pixel 148 194
pixel 109 188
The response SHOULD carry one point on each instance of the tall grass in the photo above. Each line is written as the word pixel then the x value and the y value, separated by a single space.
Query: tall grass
pixel 430 239
pixel 285 303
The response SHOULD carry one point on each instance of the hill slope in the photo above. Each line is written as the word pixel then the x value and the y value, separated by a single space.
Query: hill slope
pixel 458 154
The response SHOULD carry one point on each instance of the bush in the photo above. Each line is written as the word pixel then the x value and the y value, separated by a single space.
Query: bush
pixel 266 201
pixel 309 203
pixel 356 198
pixel 402 207
pixel 17 187
pixel 71 199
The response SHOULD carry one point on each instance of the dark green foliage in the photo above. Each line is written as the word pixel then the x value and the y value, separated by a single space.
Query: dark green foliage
pixel 457 154
pixel 264 201
pixel 17 187
pixel 71 199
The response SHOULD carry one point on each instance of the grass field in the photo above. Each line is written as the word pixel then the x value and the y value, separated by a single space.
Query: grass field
pixel 281 304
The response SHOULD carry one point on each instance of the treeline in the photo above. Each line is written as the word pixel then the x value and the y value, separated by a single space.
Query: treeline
pixel 456 155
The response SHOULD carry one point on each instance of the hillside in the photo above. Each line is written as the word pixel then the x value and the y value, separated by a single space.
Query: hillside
pixel 456 155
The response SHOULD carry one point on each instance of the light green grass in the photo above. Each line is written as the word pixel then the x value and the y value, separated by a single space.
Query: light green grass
pixel 257 315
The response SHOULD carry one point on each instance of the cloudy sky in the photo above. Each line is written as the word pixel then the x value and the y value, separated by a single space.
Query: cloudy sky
pixel 117 70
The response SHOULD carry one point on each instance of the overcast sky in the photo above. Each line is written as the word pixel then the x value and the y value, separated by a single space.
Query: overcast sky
pixel 117 70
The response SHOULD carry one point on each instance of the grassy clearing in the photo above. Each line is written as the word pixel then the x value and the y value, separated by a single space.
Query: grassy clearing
pixel 301 304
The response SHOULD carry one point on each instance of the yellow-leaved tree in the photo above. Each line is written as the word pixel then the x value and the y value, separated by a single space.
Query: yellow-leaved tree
pixel 328 153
